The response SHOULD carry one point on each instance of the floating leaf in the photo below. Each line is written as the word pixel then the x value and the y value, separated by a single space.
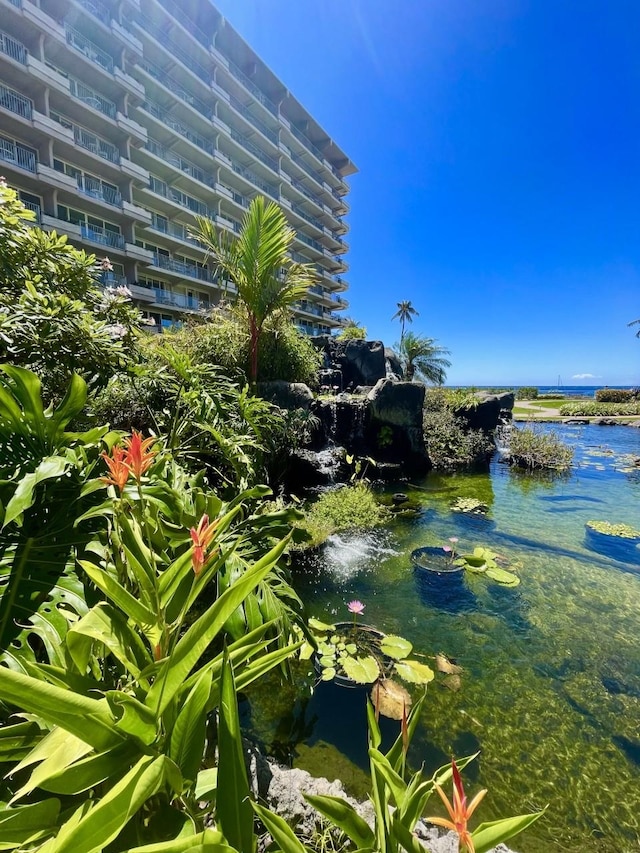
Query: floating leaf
pixel 446 665
pixel 328 674
pixel 326 661
pixel 505 578
pixel 396 647
pixel 390 698
pixel 317 625
pixel 415 672
pixel 351 648
pixel 361 670
pixel 306 651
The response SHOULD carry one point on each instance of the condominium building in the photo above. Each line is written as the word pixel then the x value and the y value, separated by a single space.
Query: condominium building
pixel 122 119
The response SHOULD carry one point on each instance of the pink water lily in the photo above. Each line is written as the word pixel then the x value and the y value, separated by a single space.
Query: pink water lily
pixel 453 539
pixel 355 607
pixel 446 549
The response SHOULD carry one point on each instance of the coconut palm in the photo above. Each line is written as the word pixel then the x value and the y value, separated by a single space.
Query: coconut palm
pixel 257 262
pixel 635 323
pixel 423 356
pixel 405 313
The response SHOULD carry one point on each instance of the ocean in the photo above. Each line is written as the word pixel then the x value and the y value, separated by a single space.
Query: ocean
pixel 567 390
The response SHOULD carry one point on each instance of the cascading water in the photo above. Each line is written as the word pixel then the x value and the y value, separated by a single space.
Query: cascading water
pixel 502 438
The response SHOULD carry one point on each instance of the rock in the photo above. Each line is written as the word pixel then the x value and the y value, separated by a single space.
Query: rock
pixel 287 395
pixel 606 422
pixel 361 362
pixel 331 378
pixel 486 414
pixel 308 468
pixel 577 421
pixel 635 424
pixel 397 403
pixel 393 364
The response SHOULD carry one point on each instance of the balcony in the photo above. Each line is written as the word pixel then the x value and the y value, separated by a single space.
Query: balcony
pixel 174 48
pixel 248 115
pixel 250 176
pixel 193 205
pixel 184 166
pixel 97 10
pixel 15 102
pixel 178 300
pixel 182 268
pixel 102 236
pixel 13 49
pixel 89 141
pixel 162 115
pixel 178 13
pixel 249 85
pixel 85 46
pixel 310 242
pixel 101 192
pixel 36 210
pixel 172 229
pixel 91 98
pixel 256 151
pixel 175 88
pixel 18 155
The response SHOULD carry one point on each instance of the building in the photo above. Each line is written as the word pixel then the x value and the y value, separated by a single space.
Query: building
pixel 121 119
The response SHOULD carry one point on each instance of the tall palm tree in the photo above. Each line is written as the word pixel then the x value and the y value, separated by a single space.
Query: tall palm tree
pixel 423 356
pixel 257 262
pixel 405 313
pixel 635 323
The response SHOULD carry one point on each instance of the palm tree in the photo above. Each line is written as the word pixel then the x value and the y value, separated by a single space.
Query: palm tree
pixel 257 262
pixel 635 323
pixel 423 356
pixel 405 314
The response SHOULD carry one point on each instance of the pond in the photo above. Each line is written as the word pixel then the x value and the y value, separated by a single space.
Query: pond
pixel 550 689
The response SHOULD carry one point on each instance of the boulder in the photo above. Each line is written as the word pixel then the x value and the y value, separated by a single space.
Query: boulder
pixel 308 469
pixel 394 365
pixel 487 412
pixel 287 395
pixel 397 403
pixel 361 362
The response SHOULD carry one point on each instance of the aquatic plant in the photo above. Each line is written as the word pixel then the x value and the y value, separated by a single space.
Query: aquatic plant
pixel 608 528
pixel 352 507
pixel 483 561
pixel 472 506
pixel 533 449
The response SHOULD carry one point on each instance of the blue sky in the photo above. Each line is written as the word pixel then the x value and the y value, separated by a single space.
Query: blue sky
pixel 499 182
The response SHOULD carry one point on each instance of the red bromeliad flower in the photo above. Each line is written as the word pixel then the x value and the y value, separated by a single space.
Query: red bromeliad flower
pixel 118 468
pixel 459 812
pixel 202 536
pixel 139 456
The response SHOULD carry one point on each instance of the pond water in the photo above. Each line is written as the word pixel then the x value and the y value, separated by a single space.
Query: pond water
pixel 550 689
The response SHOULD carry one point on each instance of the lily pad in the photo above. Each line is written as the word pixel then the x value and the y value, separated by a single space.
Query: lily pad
pixel 390 698
pixel 328 674
pixel 317 625
pixel 327 661
pixel 361 670
pixel 396 647
pixel 500 576
pixel 415 672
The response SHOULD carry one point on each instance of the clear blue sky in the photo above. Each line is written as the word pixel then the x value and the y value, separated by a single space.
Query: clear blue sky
pixel 498 144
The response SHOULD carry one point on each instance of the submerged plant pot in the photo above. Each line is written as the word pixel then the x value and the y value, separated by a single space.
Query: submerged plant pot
pixel 621 548
pixel 437 562
pixel 440 583
pixel 372 637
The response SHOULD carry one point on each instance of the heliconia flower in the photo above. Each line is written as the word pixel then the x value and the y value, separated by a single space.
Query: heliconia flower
pixel 118 468
pixel 201 537
pixel 355 607
pixel 138 456
pixel 459 812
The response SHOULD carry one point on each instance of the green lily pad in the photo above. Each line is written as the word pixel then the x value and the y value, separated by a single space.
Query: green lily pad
pixel 415 672
pixel 505 578
pixel 328 674
pixel 396 647
pixel 352 648
pixel 317 625
pixel 361 670
pixel 306 651
pixel 327 660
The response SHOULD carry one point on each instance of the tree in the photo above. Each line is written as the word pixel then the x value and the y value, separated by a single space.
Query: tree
pixel 351 331
pixel 405 314
pixel 635 323
pixel 257 263
pixel 423 356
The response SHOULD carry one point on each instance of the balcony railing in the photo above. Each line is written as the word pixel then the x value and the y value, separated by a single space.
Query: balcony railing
pixel 174 48
pixel 264 130
pixel 179 300
pixel 193 204
pixel 309 242
pixel 85 46
pixel 15 102
pixel 308 169
pixel 19 155
pixel 91 98
pixel 301 187
pixel 34 208
pixel 162 77
pixel 16 3
pixel 95 144
pixel 13 49
pixel 172 229
pixel 248 83
pixel 257 152
pixel 102 236
pixel 243 201
pixel 179 163
pixel 301 137
pixel 181 267
pixel 251 176
pixel 178 13
pixel 305 215
pixel 96 189
pixel 160 113
pixel 97 10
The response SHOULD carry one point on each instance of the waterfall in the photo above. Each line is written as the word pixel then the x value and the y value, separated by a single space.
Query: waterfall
pixel 501 437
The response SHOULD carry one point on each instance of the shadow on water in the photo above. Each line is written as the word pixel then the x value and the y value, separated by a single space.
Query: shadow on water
pixel 559 498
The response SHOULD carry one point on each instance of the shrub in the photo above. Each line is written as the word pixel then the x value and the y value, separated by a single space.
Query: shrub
pixel 533 449
pixel 615 395
pixel 450 445
pixel 449 399
pixel 595 410
pixel 352 331
pixel 348 508
pixel 553 396
pixel 527 392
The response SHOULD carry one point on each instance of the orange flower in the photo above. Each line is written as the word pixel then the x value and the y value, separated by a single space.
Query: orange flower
pixel 459 812
pixel 138 456
pixel 202 536
pixel 118 468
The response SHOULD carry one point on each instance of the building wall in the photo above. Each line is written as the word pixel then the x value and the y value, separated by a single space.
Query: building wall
pixel 119 121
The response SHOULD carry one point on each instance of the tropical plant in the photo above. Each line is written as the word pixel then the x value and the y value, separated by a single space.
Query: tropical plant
pixel 533 449
pixel 484 562
pixel 423 356
pixel 405 313
pixel 599 410
pixel 258 264
pixel 527 392
pixel 350 507
pixel 615 395
pixel 351 330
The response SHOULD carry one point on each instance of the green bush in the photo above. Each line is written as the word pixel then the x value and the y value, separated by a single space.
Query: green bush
pixel 527 392
pixel 348 508
pixel 450 445
pixel 615 395
pixel 449 399
pixel 595 410
pixel 352 331
pixel 533 449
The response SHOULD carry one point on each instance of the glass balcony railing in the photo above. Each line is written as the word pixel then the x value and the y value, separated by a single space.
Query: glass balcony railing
pixel 301 188
pixel 91 98
pixel 35 209
pixel 174 48
pixel 179 14
pixel 178 300
pixel 189 202
pixel 17 154
pixel 254 179
pixel 15 102
pixel 16 3
pixel 182 268
pixel 162 77
pixel 96 189
pixel 102 236
pixel 181 129
pixel 97 10
pixel 264 130
pixel 248 83
pixel 302 213
pixel 253 149
pixel 85 46
pixel 179 163
pixel 309 242
pixel 13 49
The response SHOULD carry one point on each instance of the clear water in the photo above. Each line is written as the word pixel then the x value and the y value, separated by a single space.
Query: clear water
pixel 550 691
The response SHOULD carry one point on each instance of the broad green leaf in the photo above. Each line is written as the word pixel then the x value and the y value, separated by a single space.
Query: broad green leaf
pixel 328 674
pixel 71 404
pixel 108 626
pixel 503 577
pixel 233 800
pixel 122 598
pixel 375 737
pixel 209 841
pixel 415 672
pixel 279 830
pixel 18 741
pixel 186 746
pixel 404 835
pixel 364 670
pixel 90 771
pixel 396 647
pixel 19 825
pixel 395 782
pixel 57 751
pixel 488 835
pixel 133 717
pixel 317 625
pixel 50 468
pixel 206 783
pixel 344 816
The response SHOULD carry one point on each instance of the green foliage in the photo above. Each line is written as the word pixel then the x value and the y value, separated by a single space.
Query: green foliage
pixel 347 508
pixel 55 319
pixel 533 449
pixel 615 395
pixel 607 528
pixel 591 410
pixel 352 331
pixel 484 561
pixel 551 396
pixel 450 444
pixel 527 392
pixel 422 356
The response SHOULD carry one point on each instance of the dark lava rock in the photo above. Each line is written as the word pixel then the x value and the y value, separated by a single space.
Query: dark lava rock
pixel 488 412
pixel 361 362
pixel 577 421
pixel 397 403
pixel 287 395
pixel 607 422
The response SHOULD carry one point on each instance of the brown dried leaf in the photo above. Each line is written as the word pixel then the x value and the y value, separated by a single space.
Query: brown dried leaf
pixel 446 665
pixel 391 698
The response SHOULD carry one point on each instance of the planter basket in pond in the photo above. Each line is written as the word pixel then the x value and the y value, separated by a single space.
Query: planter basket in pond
pixel 617 541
